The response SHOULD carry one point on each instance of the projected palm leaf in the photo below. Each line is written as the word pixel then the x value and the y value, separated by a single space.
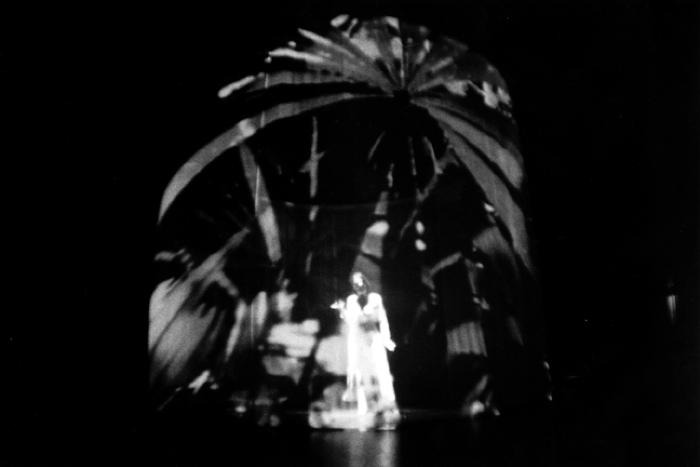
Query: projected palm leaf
pixel 377 146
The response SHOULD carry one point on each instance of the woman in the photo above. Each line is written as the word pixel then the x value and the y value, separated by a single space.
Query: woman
pixel 369 380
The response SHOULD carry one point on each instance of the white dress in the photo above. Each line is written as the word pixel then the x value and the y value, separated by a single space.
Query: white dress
pixel 369 379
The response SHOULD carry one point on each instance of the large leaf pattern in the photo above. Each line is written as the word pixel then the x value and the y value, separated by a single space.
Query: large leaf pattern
pixel 449 110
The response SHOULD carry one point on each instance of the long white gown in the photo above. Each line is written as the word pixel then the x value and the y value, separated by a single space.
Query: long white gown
pixel 369 379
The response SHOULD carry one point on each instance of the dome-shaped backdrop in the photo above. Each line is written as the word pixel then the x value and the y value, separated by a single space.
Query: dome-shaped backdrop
pixel 375 146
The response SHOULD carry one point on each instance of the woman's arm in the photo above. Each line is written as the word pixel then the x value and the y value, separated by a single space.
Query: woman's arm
pixel 384 330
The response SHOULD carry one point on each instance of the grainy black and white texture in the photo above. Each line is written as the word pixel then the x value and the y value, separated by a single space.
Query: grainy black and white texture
pixel 111 101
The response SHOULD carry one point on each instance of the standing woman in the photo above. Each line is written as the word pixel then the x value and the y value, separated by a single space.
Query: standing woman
pixel 369 380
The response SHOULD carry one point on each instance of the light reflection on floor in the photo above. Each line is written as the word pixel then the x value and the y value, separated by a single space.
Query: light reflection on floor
pixel 356 448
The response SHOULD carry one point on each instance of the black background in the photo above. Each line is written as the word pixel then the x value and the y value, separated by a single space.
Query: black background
pixel 106 102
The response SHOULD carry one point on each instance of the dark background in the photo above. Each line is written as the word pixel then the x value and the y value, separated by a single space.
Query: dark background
pixel 106 102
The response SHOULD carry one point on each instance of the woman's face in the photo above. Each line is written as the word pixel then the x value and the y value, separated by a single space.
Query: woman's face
pixel 359 285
